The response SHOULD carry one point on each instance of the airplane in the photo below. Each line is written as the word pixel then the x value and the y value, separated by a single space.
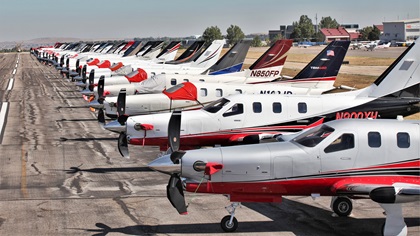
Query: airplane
pixel 346 159
pixel 265 69
pixel 189 95
pixel 249 118
pixel 230 62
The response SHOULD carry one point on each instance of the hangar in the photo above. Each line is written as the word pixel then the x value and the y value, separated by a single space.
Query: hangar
pixel 401 30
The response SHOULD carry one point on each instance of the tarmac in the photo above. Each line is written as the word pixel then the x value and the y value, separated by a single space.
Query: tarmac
pixel 61 174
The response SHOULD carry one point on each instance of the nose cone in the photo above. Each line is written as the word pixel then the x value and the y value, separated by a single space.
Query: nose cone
pixel 96 105
pixel 81 84
pixel 86 92
pixel 115 126
pixel 165 165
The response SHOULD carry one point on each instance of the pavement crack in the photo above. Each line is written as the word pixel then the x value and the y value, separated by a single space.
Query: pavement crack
pixel 36 168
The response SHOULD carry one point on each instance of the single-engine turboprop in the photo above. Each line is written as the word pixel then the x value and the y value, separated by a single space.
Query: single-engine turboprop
pixel 248 118
pixel 351 158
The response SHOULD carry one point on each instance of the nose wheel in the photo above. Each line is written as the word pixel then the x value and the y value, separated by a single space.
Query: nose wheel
pixel 229 223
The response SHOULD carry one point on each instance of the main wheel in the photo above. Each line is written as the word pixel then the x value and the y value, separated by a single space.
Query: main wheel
pixel 342 206
pixel 229 227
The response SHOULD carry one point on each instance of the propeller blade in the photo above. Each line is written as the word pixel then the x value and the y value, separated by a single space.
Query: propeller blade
pixel 175 194
pixel 101 85
pixel 101 116
pixel 84 73
pixel 91 79
pixel 176 156
pixel 123 145
pixel 174 130
pixel 121 102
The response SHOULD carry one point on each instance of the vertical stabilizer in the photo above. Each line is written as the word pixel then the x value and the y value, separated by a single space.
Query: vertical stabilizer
pixel 210 56
pixel 270 64
pixel 169 52
pixel 190 54
pixel 232 60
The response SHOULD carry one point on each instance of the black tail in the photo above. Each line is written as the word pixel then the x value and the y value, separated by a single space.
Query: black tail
pixel 190 53
pixel 232 60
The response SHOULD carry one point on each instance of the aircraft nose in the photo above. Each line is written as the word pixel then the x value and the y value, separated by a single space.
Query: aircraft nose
pixel 81 84
pixel 86 92
pixel 96 105
pixel 115 126
pixel 165 165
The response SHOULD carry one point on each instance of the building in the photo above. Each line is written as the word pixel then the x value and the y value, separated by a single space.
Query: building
pixel 284 32
pixel 330 34
pixel 401 30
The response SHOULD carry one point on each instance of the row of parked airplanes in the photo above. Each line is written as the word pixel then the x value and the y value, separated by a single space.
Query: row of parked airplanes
pixel 347 145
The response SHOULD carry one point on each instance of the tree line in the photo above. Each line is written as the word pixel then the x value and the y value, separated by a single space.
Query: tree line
pixel 303 30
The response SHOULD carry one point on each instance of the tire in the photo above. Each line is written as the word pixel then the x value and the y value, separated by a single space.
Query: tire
pixel 342 206
pixel 225 224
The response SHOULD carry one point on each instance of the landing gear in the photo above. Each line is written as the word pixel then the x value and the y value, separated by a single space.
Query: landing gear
pixel 342 206
pixel 229 222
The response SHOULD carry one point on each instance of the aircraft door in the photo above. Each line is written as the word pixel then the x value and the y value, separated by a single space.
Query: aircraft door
pixel 339 153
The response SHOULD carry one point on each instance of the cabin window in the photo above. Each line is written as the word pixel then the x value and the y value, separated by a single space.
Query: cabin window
pixel 302 108
pixel 186 80
pixel 203 92
pixel 344 142
pixel 236 109
pixel 238 91
pixel 173 81
pixel 219 93
pixel 201 80
pixel 257 107
pixel 403 140
pixel 374 139
pixel 276 107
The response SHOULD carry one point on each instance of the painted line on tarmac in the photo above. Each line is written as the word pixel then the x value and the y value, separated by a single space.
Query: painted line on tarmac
pixel 14 71
pixel 3 113
pixel 10 86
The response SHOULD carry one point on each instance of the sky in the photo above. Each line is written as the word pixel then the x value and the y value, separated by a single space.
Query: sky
pixel 22 20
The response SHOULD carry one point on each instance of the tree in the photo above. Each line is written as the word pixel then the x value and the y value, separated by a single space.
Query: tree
pixel 304 29
pixel 256 42
pixel 234 34
pixel 211 33
pixel 370 33
pixel 328 22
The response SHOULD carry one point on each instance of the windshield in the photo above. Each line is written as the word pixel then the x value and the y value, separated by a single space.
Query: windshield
pixel 216 105
pixel 314 136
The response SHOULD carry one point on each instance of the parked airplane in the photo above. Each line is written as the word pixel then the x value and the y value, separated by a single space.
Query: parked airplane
pixel 189 95
pixel 230 62
pixel 207 60
pixel 201 64
pixel 265 69
pixel 247 118
pixel 346 159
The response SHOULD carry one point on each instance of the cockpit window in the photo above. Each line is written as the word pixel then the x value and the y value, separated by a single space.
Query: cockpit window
pixel 344 142
pixel 236 109
pixel 314 136
pixel 216 105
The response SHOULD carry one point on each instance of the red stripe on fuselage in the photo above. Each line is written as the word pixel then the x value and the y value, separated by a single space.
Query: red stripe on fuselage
pixel 262 191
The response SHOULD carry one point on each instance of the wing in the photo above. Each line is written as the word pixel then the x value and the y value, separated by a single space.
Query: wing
pixel 398 192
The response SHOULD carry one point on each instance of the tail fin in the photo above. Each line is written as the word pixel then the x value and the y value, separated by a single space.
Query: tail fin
pixel 153 50
pixel 169 52
pixel 322 71
pixel 209 56
pixel 271 62
pixel 232 61
pixel 145 47
pixel 402 78
pixel 190 54
pixel 132 50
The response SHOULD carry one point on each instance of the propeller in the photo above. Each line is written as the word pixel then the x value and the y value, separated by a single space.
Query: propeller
pixel 174 190
pixel 123 145
pixel 101 83
pixel 91 79
pixel 122 117
pixel 84 73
